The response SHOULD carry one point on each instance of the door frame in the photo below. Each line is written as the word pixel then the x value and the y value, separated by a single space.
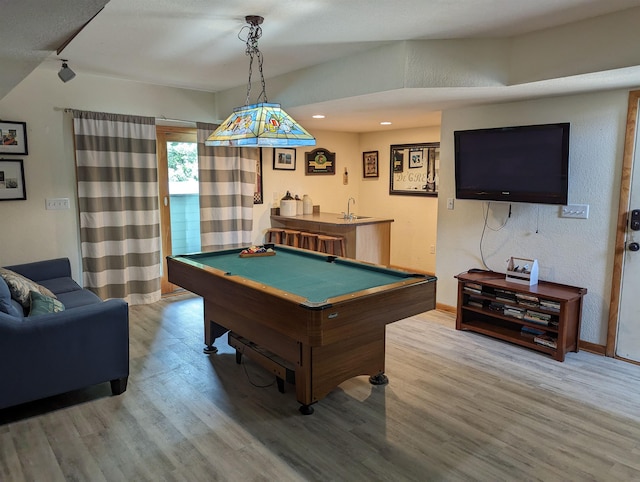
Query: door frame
pixel 621 228
pixel 166 134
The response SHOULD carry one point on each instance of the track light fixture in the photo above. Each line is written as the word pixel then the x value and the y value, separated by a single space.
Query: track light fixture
pixel 66 74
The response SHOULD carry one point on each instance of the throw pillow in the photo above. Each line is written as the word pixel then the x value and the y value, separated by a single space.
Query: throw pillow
pixel 19 286
pixel 42 304
pixel 5 300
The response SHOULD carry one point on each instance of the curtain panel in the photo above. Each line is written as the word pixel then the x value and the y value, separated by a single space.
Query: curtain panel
pixel 227 178
pixel 118 203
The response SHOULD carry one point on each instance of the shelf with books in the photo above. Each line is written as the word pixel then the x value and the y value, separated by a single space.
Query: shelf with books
pixel 544 317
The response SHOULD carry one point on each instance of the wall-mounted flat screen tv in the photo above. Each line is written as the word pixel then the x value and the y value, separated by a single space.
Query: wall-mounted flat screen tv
pixel 515 164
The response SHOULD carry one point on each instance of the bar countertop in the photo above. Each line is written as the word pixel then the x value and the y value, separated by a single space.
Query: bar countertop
pixel 334 219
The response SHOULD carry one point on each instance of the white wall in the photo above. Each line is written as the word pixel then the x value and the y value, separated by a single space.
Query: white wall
pixel 570 251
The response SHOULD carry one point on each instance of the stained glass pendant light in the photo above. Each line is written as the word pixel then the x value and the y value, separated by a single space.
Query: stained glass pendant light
pixel 262 124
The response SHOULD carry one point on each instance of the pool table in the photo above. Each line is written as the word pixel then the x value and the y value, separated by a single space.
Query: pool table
pixel 319 316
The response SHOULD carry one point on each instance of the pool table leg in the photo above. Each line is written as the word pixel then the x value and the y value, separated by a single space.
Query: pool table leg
pixel 209 350
pixel 306 409
pixel 379 379
pixel 212 330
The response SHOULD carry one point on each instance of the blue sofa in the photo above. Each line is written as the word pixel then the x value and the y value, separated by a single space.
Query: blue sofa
pixel 48 354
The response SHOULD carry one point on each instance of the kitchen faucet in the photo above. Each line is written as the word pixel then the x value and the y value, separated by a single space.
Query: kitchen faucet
pixel 349 215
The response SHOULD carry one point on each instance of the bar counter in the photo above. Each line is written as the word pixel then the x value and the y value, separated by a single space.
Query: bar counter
pixel 366 238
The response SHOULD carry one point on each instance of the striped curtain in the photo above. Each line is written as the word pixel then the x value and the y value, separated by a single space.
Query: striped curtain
pixel 227 184
pixel 118 203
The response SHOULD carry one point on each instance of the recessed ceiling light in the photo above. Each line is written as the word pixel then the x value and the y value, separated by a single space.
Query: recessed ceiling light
pixel 318 116
pixel 385 123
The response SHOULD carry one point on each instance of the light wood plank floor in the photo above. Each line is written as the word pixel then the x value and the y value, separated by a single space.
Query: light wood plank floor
pixel 459 406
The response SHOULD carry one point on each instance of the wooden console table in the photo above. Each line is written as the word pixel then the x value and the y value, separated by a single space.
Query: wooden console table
pixel 537 317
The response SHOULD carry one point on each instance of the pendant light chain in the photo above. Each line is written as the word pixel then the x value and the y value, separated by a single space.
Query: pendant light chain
pixel 252 50
pixel 261 124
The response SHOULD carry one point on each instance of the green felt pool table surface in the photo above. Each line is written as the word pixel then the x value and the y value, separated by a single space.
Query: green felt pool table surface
pixel 303 273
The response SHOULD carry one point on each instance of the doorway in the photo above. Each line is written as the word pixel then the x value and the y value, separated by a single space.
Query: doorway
pixel 179 195
pixel 623 339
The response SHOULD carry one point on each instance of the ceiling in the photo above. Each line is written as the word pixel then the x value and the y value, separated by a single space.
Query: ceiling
pixel 194 44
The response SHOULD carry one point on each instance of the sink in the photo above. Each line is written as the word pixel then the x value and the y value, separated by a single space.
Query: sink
pixel 353 217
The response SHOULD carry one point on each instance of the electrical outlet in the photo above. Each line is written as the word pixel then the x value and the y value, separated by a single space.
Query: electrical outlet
pixel 576 211
pixel 450 203
pixel 432 249
pixel 58 204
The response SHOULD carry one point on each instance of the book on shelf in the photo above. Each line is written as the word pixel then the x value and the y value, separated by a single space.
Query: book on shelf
pixel 529 330
pixel 515 312
pixel 527 297
pixel 486 291
pixel 546 340
pixel 477 302
pixel 474 291
pixel 475 286
pixel 550 305
pixel 536 317
pixel 505 295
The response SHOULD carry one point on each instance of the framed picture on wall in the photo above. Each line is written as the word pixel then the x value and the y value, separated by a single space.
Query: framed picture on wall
pixel 370 164
pixel 12 186
pixel 320 161
pixel 420 178
pixel 416 158
pixel 284 159
pixel 13 138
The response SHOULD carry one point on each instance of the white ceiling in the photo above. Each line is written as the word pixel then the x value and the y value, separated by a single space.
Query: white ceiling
pixel 194 44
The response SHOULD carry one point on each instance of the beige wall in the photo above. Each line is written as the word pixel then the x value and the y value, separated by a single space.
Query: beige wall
pixel 324 189
pixel 413 232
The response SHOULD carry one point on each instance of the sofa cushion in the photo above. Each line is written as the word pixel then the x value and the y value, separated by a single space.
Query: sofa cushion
pixel 42 304
pixel 5 300
pixel 60 285
pixel 74 299
pixel 19 286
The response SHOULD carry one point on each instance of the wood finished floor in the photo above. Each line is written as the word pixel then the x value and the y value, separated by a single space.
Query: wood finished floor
pixel 459 406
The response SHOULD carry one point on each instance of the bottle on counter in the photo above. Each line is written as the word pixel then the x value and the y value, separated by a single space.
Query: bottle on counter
pixel 307 205
pixel 299 206
pixel 288 205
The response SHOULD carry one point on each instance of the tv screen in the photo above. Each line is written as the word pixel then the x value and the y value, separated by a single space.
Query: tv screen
pixel 515 164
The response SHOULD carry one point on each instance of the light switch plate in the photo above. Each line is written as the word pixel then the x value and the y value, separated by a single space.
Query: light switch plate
pixel 58 203
pixel 576 211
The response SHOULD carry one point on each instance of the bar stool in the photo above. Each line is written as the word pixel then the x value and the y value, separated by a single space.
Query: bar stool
pixel 308 240
pixel 290 237
pixel 331 245
pixel 273 235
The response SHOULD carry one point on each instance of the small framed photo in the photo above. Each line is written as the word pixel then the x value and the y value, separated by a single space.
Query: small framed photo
pixel 397 160
pixel 13 138
pixel 12 180
pixel 416 158
pixel 370 164
pixel 284 159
